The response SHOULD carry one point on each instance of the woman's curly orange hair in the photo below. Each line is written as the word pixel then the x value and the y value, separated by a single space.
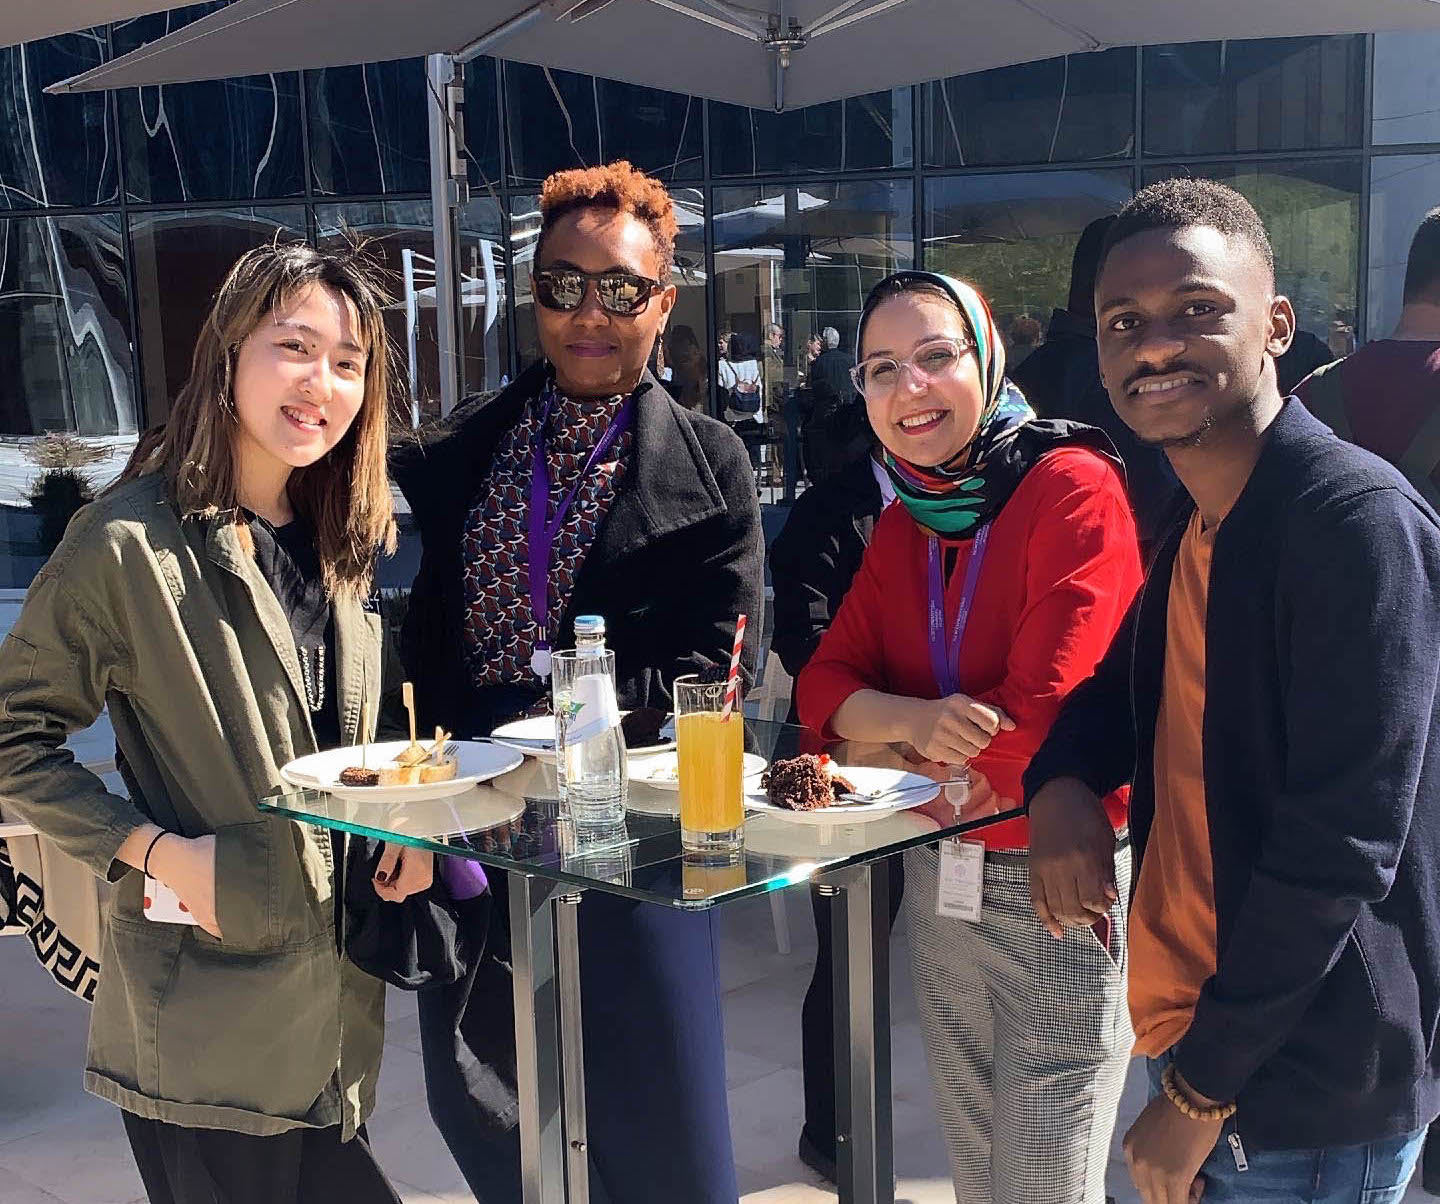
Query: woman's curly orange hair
pixel 612 186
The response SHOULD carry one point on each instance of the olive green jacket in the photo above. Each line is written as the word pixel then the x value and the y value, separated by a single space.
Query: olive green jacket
pixel 170 625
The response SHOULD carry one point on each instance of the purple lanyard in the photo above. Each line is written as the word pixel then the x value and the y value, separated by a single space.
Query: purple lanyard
pixel 542 534
pixel 945 661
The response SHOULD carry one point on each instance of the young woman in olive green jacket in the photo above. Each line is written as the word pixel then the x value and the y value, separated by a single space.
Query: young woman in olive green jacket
pixel 213 602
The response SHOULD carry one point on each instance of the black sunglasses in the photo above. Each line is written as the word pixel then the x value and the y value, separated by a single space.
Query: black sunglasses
pixel 622 293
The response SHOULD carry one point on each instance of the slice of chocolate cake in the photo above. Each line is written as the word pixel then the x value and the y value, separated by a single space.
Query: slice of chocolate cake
pixel 641 727
pixel 804 783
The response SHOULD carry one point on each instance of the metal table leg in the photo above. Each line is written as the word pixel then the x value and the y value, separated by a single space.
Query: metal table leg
pixel 864 1122
pixel 572 1049
pixel 537 1040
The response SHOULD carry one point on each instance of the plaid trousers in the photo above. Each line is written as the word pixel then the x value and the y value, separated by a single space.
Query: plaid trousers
pixel 1028 1038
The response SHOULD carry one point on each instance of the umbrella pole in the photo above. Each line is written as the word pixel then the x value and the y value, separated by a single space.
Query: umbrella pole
pixel 447 194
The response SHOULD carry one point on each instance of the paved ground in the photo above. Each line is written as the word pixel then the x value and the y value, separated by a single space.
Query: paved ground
pixel 59 1145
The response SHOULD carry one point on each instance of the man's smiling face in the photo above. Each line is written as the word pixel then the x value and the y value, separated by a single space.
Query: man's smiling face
pixel 1188 323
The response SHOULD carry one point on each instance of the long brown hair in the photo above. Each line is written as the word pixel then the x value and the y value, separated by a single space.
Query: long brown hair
pixel 345 495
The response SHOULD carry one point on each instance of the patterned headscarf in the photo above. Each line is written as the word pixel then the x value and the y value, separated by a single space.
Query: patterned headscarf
pixel 956 498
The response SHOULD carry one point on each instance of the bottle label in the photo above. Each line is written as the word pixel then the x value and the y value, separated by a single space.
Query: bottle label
pixel 593 708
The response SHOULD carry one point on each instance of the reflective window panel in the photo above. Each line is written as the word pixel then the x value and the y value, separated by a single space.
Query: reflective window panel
pixel 1406 98
pixel 217 140
pixel 369 128
pixel 1312 211
pixel 65 358
pixel 181 258
pixel 801 258
pixel 1403 189
pixel 863 133
pixel 686 326
pixel 484 324
pixel 1078 107
pixel 554 122
pixel 1268 94
pixel 559 120
pixel 1013 236
pixel 400 234
pixel 55 150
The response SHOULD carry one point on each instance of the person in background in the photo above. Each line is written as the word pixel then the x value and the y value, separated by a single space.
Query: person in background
pixel 213 601
pixel 1061 379
pixel 743 380
pixel 814 345
pixel 830 373
pixel 1306 353
pixel 1385 397
pixel 690 373
pixel 1012 544
pixel 777 403
pixel 1272 696
pixel 813 561
pixel 650 521
pixel 1025 335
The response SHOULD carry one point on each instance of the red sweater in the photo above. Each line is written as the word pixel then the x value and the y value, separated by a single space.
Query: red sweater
pixel 1061 570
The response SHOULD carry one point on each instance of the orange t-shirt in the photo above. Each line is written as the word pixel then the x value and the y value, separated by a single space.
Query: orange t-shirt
pixel 1172 918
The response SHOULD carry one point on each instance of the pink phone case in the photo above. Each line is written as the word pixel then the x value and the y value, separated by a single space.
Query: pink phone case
pixel 163 905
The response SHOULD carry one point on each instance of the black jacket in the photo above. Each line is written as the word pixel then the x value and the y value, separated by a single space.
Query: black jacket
pixel 1322 789
pixel 679 555
pixel 830 377
pixel 1061 379
pixel 816 556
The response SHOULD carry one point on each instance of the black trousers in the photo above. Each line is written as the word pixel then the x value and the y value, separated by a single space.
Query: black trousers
pixel 214 1166
pixel 657 1116
pixel 817 1019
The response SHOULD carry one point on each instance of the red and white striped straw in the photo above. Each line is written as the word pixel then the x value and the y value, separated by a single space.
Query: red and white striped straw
pixel 732 681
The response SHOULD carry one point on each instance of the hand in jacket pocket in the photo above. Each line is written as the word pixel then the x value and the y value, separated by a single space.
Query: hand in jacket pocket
pixel 187 866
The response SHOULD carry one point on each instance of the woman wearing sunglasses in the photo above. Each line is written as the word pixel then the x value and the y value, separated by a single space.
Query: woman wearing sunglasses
pixel 584 489
pixel 987 595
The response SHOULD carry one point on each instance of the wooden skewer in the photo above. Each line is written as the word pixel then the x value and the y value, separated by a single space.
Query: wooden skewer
pixel 415 753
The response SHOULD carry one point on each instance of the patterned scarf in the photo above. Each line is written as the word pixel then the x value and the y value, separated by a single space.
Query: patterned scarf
pixel 956 498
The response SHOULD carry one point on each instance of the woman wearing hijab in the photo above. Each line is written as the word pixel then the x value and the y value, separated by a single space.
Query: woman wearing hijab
pixel 584 489
pixel 982 600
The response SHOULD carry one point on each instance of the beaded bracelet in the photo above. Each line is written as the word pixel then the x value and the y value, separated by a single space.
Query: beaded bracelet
pixel 1186 1106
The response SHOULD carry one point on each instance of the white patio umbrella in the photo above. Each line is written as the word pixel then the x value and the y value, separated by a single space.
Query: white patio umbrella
pixel 767 52
pixel 30 20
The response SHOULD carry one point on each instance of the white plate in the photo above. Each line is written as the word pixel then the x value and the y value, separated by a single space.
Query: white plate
pixel 535 737
pixel 321 771
pixel 769 836
pixel 661 771
pixel 866 781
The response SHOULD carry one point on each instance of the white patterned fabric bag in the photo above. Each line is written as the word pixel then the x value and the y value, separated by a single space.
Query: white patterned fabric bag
pixel 57 903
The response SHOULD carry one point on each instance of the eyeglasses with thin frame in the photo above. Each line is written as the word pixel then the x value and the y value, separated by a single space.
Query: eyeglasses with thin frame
pixel 621 293
pixel 877 377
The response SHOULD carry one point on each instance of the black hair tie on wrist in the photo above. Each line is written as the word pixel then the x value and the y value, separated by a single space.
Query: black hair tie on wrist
pixel 145 864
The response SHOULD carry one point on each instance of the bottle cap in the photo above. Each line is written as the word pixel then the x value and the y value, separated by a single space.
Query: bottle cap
pixel 589 625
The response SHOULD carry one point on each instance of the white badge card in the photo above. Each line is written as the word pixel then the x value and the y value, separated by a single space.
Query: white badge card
pixel 962 879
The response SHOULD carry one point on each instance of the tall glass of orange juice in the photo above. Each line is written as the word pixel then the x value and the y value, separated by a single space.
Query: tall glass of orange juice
pixel 711 749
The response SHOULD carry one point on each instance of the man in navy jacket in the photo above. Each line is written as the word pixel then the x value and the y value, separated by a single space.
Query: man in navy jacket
pixel 1272 699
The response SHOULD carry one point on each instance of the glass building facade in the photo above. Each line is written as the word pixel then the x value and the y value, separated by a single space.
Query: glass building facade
pixel 119 213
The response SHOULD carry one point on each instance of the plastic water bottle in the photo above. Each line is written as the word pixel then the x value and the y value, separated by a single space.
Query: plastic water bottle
pixel 589 748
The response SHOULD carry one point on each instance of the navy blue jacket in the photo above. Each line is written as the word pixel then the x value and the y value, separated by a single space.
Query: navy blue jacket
pixel 1322 788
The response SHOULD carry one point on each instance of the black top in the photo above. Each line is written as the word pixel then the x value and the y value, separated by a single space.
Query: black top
pixel 679 554
pixel 1322 790
pixel 288 561
pixel 1061 379
pixel 816 556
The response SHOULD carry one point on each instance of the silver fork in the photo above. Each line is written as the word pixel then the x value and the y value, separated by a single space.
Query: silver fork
pixel 887 796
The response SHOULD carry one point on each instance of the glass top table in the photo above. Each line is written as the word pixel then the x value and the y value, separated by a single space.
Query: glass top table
pixel 516 823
